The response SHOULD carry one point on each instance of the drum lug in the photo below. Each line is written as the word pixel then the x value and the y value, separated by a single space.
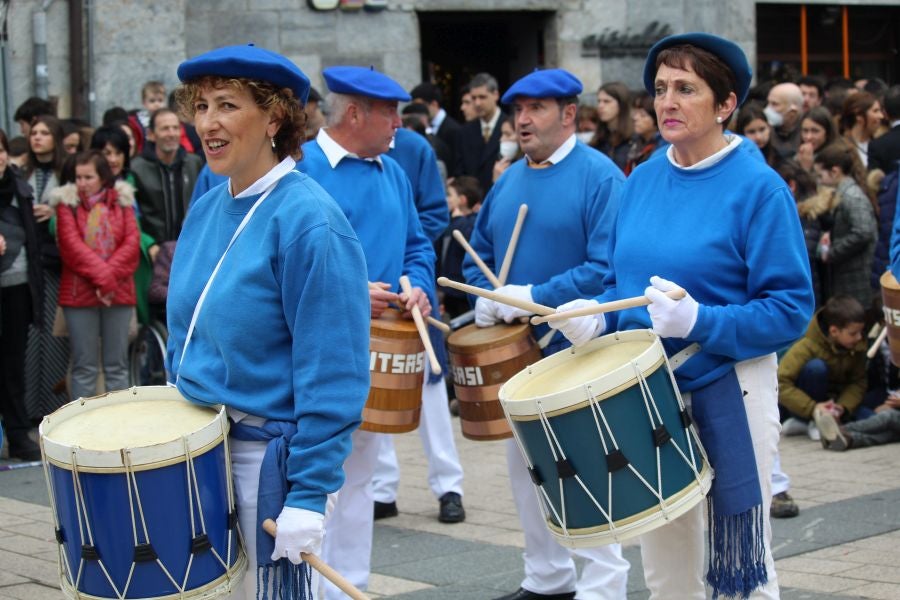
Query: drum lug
pixel 200 544
pixel 535 476
pixel 144 553
pixel 661 436
pixel 686 420
pixel 89 552
pixel 232 519
pixel 616 460
pixel 565 469
pixel 60 536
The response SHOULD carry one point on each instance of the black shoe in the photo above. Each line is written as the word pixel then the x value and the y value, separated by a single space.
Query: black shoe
pixel 783 506
pixel 24 449
pixel 383 510
pixel 523 594
pixel 452 510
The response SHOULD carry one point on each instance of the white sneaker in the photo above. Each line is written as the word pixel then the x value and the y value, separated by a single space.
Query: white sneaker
pixel 793 426
pixel 813 432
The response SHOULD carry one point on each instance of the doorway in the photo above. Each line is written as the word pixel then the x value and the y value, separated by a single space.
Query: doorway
pixel 457 45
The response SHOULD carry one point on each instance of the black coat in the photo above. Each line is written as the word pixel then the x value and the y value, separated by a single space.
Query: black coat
pixel 476 157
pixel 25 201
pixel 884 152
pixel 448 133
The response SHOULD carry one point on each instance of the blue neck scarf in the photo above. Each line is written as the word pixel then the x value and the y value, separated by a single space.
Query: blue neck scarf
pixel 737 564
pixel 288 581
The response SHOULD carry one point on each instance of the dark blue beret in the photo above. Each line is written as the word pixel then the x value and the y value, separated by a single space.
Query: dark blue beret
pixel 726 50
pixel 247 61
pixel 549 83
pixel 364 81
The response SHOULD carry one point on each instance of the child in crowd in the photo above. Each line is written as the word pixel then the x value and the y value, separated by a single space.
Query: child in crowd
pixel 825 370
pixel 464 197
pixel 153 98
pixel 881 428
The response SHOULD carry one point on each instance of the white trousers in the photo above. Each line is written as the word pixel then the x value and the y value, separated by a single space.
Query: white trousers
pixel 780 480
pixel 348 530
pixel 445 474
pixel 673 555
pixel 549 568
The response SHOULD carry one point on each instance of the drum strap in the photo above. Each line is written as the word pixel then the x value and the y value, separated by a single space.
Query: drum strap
pixel 682 356
pixel 270 180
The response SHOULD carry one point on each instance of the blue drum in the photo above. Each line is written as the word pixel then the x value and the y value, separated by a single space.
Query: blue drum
pixel 607 440
pixel 141 495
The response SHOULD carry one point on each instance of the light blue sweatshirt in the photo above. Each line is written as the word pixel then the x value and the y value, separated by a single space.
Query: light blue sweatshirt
pixel 730 235
pixel 284 330
pixel 415 155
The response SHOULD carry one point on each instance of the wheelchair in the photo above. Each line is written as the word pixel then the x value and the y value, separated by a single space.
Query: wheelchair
pixel 147 355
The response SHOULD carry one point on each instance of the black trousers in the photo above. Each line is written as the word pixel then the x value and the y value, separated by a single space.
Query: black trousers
pixel 15 313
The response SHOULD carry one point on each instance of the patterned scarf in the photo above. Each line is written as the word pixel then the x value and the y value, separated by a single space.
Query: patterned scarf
pixel 98 229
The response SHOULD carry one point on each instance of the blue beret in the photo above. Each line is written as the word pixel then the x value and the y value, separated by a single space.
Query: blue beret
pixel 250 62
pixel 549 83
pixel 364 81
pixel 726 50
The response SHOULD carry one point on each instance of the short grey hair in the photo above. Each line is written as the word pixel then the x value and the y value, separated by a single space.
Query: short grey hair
pixel 484 80
pixel 337 104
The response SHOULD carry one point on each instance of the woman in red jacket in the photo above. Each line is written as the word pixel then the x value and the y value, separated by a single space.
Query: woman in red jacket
pixel 98 242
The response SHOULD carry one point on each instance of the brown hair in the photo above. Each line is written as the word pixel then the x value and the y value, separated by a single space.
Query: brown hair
pixel 96 158
pixel 708 67
pixel 842 311
pixel 468 186
pixel 59 153
pixel 855 105
pixel 624 127
pixel 846 158
pixel 267 96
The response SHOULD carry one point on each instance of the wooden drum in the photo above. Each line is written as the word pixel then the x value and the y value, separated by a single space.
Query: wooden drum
pixel 890 294
pixel 397 370
pixel 483 359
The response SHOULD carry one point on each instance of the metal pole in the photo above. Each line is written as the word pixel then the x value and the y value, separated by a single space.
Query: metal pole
pixel 39 34
pixel 6 111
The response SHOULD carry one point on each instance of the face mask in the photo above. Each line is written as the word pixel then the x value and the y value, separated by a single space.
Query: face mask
pixel 585 136
pixel 774 117
pixel 508 150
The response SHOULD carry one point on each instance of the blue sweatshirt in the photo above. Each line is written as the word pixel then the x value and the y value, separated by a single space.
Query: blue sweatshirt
pixel 206 181
pixel 283 332
pixel 562 247
pixel 730 235
pixel 415 155
pixel 378 201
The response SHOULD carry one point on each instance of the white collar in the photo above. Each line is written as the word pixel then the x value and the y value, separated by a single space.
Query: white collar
pixel 560 153
pixel 493 122
pixel 895 123
pixel 267 180
pixel 733 142
pixel 334 152
pixel 438 119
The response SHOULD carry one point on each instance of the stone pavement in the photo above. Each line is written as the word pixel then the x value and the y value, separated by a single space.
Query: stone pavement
pixel 841 547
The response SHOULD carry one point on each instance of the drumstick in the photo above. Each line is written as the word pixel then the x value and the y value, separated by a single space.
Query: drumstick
pixel 511 248
pixel 532 307
pixel 676 294
pixel 436 322
pixel 459 237
pixel 319 565
pixel 873 350
pixel 420 325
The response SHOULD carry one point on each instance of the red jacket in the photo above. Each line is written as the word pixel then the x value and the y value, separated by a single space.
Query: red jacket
pixel 83 271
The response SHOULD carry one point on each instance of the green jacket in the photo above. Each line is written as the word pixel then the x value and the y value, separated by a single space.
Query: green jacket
pixel 846 371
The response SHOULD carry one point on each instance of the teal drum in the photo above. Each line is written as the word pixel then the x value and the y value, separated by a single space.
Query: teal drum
pixel 607 439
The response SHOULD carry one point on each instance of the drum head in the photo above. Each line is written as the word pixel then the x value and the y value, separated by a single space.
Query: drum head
pixel 472 338
pixel 889 281
pixel 392 324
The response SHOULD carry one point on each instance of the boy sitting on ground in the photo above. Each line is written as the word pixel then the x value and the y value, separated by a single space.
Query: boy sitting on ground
pixel 825 370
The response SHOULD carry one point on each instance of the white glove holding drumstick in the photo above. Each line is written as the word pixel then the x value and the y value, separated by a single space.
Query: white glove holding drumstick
pixel 673 313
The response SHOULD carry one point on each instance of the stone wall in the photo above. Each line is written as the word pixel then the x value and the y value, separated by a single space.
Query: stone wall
pixel 136 40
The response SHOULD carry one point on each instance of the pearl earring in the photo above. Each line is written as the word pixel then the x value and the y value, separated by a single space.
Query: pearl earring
pixel 718 119
pixel 273 142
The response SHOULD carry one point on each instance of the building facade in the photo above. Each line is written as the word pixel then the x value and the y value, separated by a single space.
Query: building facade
pixel 98 53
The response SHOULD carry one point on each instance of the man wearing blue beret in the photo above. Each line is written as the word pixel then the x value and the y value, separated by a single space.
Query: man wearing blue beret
pixel 572 195
pixel 347 159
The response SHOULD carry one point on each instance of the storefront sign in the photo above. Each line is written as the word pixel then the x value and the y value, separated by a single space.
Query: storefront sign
pixel 610 44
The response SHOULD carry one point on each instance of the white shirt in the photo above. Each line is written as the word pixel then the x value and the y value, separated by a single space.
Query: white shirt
pixel 492 123
pixel 439 119
pixel 733 142
pixel 335 153
pixel 560 153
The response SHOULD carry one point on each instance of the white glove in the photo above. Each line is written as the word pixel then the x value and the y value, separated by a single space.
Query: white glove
pixel 671 318
pixel 579 330
pixel 486 312
pixel 508 313
pixel 299 530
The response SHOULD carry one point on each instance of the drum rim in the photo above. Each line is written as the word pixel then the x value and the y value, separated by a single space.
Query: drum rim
pixel 142 457
pixel 524 331
pixel 604 386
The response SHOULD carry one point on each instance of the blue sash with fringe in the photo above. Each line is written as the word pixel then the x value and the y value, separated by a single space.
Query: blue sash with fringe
pixel 288 581
pixel 737 557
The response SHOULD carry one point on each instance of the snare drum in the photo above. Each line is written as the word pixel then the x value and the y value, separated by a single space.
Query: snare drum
pixel 141 495
pixel 607 439
pixel 397 370
pixel 483 359
pixel 890 295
